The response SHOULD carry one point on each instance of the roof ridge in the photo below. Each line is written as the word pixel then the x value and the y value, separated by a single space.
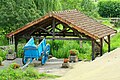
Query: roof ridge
pixel 64 11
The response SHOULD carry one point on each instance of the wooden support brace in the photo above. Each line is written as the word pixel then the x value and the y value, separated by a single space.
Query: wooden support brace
pixel 106 41
pixel 45 30
pixel 93 49
pixel 97 43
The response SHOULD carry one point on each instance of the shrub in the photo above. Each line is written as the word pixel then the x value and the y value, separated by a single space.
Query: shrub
pixel 3 54
pixel 17 74
pixel 10 74
pixel 109 8
pixel 20 50
pixel 1 60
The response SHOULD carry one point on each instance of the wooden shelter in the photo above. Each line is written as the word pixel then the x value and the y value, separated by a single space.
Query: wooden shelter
pixel 75 26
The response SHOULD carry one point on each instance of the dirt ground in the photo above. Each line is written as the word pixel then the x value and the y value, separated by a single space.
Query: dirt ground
pixel 106 67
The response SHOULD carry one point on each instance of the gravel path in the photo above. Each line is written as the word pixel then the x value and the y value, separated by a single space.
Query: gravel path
pixel 106 67
pixel 52 66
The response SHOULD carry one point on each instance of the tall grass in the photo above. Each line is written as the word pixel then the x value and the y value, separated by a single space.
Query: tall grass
pixel 60 49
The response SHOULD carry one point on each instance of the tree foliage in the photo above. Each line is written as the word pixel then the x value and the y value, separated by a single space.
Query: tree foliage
pixel 89 8
pixel 71 4
pixel 110 8
pixel 46 6
pixel 16 13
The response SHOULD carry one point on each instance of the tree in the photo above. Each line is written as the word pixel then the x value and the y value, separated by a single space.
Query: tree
pixel 71 4
pixel 89 8
pixel 46 6
pixel 16 13
pixel 109 8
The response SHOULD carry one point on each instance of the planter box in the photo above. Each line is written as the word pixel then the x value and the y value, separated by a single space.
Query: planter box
pixel 73 59
pixel 11 56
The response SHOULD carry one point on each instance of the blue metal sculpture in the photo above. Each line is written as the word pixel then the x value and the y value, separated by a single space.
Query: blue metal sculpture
pixel 31 51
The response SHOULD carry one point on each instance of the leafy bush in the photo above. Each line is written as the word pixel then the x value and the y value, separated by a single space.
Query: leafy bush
pixel 109 8
pixel 17 74
pixel 3 54
pixel 20 50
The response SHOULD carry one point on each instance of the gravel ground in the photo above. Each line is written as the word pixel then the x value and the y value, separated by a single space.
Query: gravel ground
pixel 52 66
pixel 106 67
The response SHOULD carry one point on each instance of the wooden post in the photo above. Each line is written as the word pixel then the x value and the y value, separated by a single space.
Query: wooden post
pixel 93 49
pixel 16 43
pixel 108 43
pixel 53 27
pixel 12 40
pixel 101 46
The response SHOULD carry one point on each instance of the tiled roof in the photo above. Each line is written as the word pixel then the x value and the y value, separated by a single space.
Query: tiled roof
pixel 77 20
pixel 84 24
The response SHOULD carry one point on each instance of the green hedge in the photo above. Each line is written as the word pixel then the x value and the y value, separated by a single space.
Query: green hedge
pixel 109 8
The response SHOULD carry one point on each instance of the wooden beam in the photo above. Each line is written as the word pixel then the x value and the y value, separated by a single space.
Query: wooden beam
pixel 93 49
pixel 56 34
pixel 53 27
pixel 45 30
pixel 67 38
pixel 58 29
pixel 108 43
pixel 59 38
pixel 101 46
